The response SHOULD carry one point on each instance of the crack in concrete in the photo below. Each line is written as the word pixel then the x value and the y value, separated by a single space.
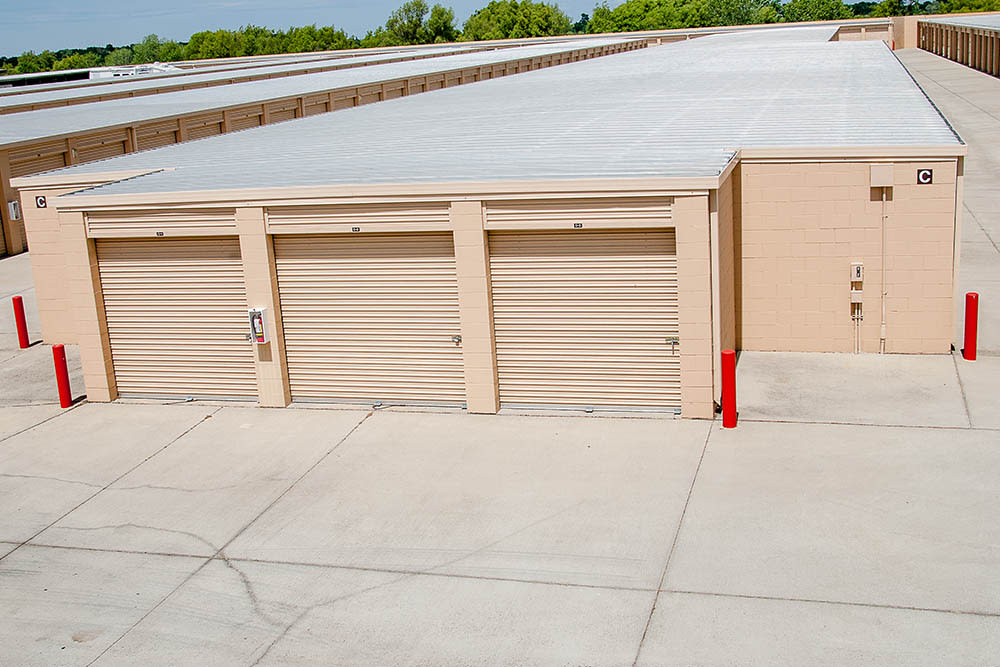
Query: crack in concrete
pixel 180 489
pixel 416 573
pixel 219 554
pixel 54 479
pixel 119 526
pixel 99 490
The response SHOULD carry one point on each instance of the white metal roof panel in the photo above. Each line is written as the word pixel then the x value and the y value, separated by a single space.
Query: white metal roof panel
pixel 51 123
pixel 680 110
pixel 139 84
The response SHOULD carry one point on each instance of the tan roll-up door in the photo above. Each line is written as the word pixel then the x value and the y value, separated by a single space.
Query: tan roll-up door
pixel 177 317
pixel 585 318
pixel 371 317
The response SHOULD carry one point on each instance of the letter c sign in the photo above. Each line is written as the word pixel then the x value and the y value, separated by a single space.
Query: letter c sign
pixel 925 176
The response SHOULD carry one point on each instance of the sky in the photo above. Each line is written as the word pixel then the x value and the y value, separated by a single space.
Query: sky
pixel 54 24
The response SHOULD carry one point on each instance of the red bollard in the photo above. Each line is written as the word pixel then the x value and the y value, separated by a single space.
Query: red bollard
pixel 971 326
pixel 729 389
pixel 22 324
pixel 62 376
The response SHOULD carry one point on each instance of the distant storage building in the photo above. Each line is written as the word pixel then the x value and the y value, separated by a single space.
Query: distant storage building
pixel 971 40
pixel 588 236
pixel 36 141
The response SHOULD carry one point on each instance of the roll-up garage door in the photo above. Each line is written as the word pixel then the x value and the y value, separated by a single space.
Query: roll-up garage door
pixel 177 317
pixel 371 317
pixel 586 318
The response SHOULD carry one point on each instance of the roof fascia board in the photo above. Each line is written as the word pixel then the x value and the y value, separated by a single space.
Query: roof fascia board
pixel 880 152
pixel 450 191
pixel 57 180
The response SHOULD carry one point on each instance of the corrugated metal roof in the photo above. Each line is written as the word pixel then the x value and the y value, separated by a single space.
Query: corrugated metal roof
pixel 673 111
pixel 988 21
pixel 180 81
pixel 46 123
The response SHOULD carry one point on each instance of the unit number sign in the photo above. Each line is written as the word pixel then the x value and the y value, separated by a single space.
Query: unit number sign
pixel 925 176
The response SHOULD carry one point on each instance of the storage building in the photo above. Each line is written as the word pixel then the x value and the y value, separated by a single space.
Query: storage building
pixel 589 236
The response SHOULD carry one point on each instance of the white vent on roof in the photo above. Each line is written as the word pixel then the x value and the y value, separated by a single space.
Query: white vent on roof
pixel 131 70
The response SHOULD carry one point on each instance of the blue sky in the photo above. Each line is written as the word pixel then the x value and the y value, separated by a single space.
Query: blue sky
pixel 54 24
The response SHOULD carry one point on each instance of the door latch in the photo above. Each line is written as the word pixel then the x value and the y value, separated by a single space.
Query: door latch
pixel 457 340
pixel 673 342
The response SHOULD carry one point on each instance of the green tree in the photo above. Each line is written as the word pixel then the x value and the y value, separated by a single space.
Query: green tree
pixel 146 51
pixel 378 37
pixel 815 10
pixel 331 39
pixel 78 61
pixel 505 19
pixel 30 62
pixel 949 6
pixel 122 56
pixel 302 40
pixel 213 44
pixel 886 8
pixel 170 51
pixel 742 12
pixel 440 25
pixel 651 15
pixel 863 8
pixel 407 22
pixel 581 26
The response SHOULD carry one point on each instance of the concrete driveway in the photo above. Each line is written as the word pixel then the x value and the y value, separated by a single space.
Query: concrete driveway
pixel 175 534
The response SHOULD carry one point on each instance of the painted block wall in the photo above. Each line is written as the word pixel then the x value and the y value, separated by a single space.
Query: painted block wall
pixel 801 227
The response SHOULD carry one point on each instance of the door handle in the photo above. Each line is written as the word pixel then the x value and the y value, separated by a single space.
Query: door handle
pixel 457 340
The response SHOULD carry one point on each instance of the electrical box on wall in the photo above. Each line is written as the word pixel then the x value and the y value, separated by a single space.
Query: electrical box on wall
pixel 258 326
pixel 881 176
pixel 14 210
pixel 857 272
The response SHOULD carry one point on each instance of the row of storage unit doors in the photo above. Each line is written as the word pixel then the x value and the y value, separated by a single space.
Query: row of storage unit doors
pixel 585 319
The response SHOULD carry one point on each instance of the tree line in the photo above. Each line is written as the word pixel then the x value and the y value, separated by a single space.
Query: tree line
pixel 415 22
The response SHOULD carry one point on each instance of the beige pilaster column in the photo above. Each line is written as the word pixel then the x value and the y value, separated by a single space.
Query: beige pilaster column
pixel 475 307
pixel 694 288
pixel 84 284
pixel 261 279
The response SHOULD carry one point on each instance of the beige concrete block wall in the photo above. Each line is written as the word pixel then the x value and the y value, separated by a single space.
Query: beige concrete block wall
pixel 475 307
pixel 48 266
pixel 261 277
pixel 904 31
pixel 694 286
pixel 851 33
pixel 12 231
pixel 728 212
pixel 87 308
pixel 801 226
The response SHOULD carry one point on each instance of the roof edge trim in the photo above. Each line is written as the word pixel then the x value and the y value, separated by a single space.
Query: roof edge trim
pixel 455 191
pixel 836 152
pixel 56 179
